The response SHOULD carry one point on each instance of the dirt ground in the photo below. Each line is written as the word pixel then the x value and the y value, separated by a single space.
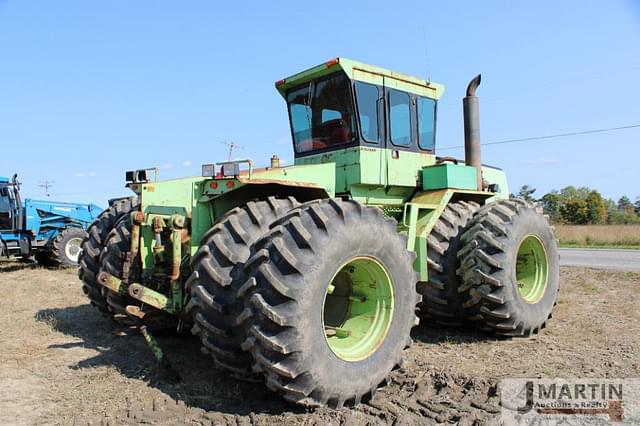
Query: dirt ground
pixel 63 363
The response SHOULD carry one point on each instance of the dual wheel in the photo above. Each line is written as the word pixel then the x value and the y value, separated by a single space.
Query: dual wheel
pixel 494 267
pixel 319 298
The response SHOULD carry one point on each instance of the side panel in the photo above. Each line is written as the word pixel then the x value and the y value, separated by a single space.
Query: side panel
pixel 370 166
pixel 404 168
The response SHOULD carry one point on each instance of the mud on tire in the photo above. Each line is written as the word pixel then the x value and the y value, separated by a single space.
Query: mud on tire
pixel 92 247
pixel 509 266
pixel 441 301
pixel 219 261
pixel 286 319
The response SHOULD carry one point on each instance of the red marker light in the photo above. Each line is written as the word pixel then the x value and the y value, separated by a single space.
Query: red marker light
pixel 213 185
pixel 332 62
pixel 279 83
pixel 230 184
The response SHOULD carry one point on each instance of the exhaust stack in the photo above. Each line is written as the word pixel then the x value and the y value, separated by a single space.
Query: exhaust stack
pixel 471 110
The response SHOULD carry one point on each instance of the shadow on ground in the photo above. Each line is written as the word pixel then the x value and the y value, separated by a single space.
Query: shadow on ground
pixel 14 266
pixel 436 334
pixel 202 386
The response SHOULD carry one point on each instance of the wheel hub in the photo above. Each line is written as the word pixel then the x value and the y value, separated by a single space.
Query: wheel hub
pixel 73 248
pixel 531 269
pixel 358 308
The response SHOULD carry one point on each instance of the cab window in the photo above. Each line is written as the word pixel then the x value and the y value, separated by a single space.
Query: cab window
pixel 400 118
pixel 322 114
pixel 367 96
pixel 426 109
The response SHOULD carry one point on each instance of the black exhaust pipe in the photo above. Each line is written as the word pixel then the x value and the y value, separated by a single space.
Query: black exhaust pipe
pixel 471 110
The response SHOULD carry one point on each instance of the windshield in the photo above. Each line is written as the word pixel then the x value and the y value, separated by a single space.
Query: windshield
pixel 322 114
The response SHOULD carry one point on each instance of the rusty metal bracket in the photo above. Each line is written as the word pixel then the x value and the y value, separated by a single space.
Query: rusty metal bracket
pixel 112 283
pixel 151 297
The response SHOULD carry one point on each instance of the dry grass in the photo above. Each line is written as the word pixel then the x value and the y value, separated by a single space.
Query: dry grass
pixel 599 235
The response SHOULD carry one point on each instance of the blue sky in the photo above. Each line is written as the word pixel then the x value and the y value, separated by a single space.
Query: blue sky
pixel 91 89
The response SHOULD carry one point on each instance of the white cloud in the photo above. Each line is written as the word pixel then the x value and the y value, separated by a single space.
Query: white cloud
pixel 85 174
pixel 186 163
pixel 282 141
pixel 543 161
pixel 167 166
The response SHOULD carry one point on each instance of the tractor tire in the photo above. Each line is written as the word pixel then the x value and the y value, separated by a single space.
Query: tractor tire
pixel 335 353
pixel 510 268
pixel 66 247
pixel 92 248
pixel 117 244
pixel 213 287
pixel 441 301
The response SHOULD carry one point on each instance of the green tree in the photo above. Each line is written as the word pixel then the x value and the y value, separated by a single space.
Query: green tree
pixel 597 210
pixel 612 210
pixel 624 203
pixel 575 211
pixel 551 203
pixel 526 193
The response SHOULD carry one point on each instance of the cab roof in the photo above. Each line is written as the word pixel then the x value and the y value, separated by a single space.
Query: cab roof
pixel 4 179
pixel 359 71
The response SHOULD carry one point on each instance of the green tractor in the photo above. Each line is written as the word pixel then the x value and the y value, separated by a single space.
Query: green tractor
pixel 310 276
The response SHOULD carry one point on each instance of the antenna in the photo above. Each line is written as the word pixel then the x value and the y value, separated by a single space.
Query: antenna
pixel 46 185
pixel 426 53
pixel 232 146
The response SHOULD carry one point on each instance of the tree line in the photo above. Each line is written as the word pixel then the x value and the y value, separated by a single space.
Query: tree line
pixel 584 206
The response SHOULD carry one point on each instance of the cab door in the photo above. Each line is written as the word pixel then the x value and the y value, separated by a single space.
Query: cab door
pixel 369 96
pixel 401 154
pixel 6 219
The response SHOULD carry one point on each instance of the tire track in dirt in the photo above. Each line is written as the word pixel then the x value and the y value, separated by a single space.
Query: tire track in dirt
pixel 409 398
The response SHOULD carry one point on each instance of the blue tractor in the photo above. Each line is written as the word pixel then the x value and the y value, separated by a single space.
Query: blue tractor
pixel 51 232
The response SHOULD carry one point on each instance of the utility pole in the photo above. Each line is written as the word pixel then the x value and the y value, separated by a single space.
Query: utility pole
pixel 232 146
pixel 46 185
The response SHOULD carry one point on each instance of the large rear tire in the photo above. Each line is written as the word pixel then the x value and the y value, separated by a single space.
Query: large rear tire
pixel 219 261
pixel 510 268
pixel 441 301
pixel 92 247
pixel 329 303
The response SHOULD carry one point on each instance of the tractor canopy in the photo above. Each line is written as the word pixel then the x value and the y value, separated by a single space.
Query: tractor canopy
pixel 344 103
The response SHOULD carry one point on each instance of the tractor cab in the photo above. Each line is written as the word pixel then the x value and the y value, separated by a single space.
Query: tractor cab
pixel 377 126
pixel 343 103
pixel 9 202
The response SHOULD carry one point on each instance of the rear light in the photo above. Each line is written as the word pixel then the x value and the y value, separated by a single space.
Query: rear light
pixel 230 184
pixel 332 62
pixel 213 185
